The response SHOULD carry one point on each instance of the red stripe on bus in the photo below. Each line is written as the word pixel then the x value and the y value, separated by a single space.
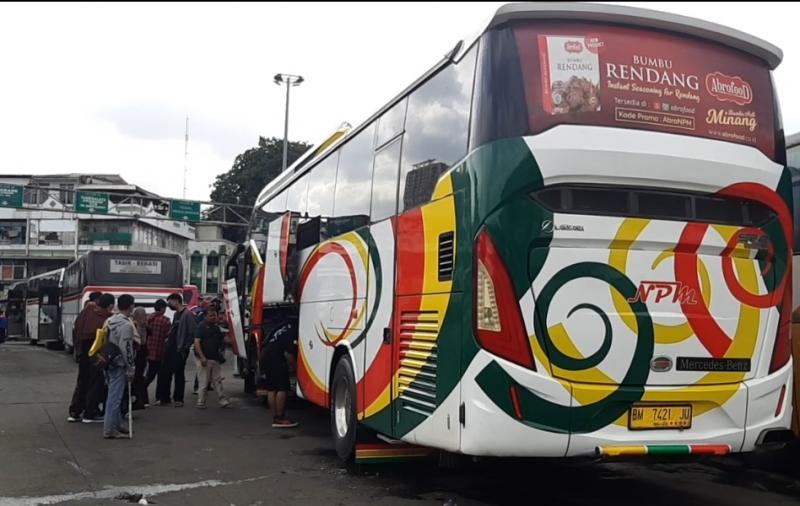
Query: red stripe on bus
pixel 410 253
pixel 124 289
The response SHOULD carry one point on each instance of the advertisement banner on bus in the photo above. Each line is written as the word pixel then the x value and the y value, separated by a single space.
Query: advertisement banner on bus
pixel 623 77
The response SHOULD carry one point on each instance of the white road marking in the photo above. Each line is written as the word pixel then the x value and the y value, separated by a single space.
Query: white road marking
pixel 112 492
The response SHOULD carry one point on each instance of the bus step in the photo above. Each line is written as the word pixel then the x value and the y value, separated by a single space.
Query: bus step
pixel 384 453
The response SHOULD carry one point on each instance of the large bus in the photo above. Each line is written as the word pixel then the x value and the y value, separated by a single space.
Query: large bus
pixel 571 236
pixel 146 275
pixel 38 298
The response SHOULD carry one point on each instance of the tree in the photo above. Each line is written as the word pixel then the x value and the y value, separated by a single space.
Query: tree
pixel 251 171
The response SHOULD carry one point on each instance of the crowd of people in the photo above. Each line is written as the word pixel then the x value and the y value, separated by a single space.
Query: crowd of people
pixel 121 351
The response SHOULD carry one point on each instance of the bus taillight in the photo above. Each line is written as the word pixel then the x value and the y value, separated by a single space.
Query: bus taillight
pixel 498 322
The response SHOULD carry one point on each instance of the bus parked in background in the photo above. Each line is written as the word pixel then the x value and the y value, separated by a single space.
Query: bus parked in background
pixel 41 295
pixel 148 276
pixel 572 236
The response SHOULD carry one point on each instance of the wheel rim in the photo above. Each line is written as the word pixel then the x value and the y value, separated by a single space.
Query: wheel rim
pixel 341 408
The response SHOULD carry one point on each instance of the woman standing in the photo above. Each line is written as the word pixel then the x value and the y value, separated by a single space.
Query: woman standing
pixel 139 386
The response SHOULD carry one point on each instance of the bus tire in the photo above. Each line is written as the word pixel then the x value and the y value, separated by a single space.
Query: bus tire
pixel 343 409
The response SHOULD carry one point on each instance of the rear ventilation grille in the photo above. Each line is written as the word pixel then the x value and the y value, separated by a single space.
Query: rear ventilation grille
pixel 416 378
pixel 446 256
pixel 653 204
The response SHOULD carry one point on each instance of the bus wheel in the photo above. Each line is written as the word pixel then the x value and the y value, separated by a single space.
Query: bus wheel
pixel 343 409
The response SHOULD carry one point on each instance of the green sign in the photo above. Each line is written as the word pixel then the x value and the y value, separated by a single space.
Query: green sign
pixel 91 202
pixel 184 210
pixel 11 195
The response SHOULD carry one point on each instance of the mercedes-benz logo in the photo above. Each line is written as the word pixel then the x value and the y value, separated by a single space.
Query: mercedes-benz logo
pixel 548 226
pixel 661 364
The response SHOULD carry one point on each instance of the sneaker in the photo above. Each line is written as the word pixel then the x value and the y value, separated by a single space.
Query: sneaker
pixel 124 430
pixel 225 403
pixel 162 403
pixel 97 419
pixel 113 435
pixel 283 423
pixel 73 419
pixel 178 404
pixel 146 405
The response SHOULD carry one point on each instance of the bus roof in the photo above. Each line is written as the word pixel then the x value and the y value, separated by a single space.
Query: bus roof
pixel 642 18
pixel 572 11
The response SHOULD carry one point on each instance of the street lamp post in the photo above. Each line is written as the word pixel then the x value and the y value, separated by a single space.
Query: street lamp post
pixel 290 80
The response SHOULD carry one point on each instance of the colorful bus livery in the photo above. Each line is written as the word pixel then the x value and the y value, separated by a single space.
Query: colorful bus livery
pixel 533 252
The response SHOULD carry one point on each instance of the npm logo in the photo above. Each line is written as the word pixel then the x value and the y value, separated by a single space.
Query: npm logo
pixel 661 290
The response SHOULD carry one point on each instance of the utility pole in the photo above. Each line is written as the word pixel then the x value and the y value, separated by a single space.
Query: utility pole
pixel 185 157
pixel 290 80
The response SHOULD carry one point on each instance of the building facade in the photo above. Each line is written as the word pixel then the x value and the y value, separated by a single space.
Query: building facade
pixel 46 233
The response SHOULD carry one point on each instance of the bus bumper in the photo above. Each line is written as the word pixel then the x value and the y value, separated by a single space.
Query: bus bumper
pixel 738 417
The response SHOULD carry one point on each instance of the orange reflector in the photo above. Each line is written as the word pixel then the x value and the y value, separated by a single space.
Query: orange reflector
pixel 779 408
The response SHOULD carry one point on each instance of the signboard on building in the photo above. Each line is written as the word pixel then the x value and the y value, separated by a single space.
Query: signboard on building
pixel 11 195
pixel 184 210
pixel 132 266
pixel 91 202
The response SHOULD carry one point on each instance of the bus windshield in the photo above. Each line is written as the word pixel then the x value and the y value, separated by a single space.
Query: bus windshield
pixel 624 77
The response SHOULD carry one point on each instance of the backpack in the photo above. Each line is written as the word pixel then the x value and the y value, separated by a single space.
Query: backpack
pixel 104 351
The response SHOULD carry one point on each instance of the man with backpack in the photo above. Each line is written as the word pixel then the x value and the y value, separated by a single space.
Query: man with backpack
pixel 119 357
pixel 89 388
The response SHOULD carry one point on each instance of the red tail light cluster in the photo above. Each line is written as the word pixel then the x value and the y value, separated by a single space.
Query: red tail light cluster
pixel 498 322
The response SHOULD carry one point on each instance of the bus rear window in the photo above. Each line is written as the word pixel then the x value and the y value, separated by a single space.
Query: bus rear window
pixel 534 75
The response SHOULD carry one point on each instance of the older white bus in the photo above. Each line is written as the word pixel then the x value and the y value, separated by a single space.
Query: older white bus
pixel 41 297
pixel 146 275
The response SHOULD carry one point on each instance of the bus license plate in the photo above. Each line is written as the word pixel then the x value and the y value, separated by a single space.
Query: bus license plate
pixel 651 417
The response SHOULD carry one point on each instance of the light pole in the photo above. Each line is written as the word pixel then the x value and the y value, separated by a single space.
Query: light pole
pixel 290 80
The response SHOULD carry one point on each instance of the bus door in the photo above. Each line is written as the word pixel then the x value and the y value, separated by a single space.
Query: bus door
pixel 15 312
pixel 49 313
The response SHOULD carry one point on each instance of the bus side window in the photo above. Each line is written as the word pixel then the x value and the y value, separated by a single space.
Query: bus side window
pixel 321 186
pixel 436 130
pixel 384 182
pixel 353 183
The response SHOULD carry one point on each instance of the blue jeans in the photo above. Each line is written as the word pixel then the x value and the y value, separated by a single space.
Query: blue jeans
pixel 116 378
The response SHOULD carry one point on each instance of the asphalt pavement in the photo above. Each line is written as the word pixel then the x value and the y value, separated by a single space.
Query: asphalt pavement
pixel 184 456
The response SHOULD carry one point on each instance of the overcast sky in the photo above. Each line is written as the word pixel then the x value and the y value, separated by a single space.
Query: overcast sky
pixel 106 87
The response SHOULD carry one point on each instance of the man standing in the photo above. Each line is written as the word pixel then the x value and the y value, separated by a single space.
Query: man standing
pixel 208 353
pixel 3 326
pixel 278 359
pixel 181 336
pixel 120 367
pixel 157 333
pixel 88 393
